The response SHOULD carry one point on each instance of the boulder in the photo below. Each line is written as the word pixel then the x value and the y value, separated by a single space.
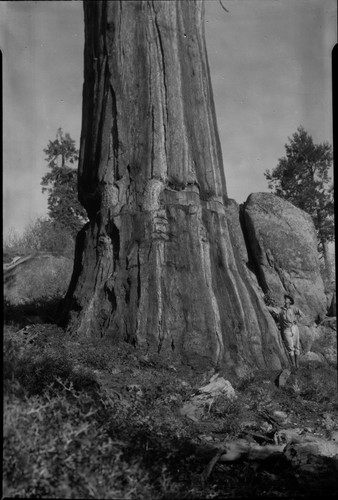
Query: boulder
pixel 307 336
pixel 233 215
pixel 282 246
pixel 329 352
pixel 325 344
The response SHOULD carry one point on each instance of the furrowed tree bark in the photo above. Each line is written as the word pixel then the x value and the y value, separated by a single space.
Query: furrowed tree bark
pixel 157 265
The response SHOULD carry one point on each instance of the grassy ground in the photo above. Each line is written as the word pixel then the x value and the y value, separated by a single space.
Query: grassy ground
pixel 91 420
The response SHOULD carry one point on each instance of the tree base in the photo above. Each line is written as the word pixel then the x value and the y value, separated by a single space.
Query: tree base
pixel 172 282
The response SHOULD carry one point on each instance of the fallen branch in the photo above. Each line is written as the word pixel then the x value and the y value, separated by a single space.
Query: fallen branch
pixel 232 451
pixel 12 265
pixel 208 469
pixel 259 437
pixel 304 451
pixel 264 414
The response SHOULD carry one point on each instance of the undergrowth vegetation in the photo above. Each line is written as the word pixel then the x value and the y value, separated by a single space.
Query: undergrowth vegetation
pixel 40 235
pixel 91 420
pixel 65 436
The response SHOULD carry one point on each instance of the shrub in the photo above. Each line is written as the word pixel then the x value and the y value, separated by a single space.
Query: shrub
pixel 42 235
pixel 47 282
pixel 34 370
pixel 229 412
pixel 55 420
pixel 33 291
pixel 54 446
pixel 319 384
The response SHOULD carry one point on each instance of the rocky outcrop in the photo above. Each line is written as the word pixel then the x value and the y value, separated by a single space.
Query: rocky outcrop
pixel 325 345
pixel 282 248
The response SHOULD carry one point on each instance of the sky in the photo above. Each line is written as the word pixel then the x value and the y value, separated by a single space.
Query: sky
pixel 270 63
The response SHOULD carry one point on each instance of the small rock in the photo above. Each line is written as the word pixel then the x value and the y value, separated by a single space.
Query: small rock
pixel 289 435
pixel 313 356
pixel 283 377
pixel 218 385
pixel 195 408
pixel 280 415
pixel 265 427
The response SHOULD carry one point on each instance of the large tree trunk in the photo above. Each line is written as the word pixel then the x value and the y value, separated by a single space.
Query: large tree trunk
pixel 155 266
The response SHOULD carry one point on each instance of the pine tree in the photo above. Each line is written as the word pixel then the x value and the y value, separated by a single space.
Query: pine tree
pixel 302 177
pixel 61 183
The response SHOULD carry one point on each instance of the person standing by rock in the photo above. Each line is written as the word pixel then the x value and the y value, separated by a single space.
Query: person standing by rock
pixel 289 316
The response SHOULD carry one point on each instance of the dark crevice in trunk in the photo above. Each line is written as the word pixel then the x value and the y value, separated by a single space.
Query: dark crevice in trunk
pixel 138 277
pixel 114 235
pixel 252 264
pixel 103 79
pixel 127 291
pixel 172 345
pixel 159 347
pixel 110 292
pixel 115 135
pixel 165 103
pixel 69 302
